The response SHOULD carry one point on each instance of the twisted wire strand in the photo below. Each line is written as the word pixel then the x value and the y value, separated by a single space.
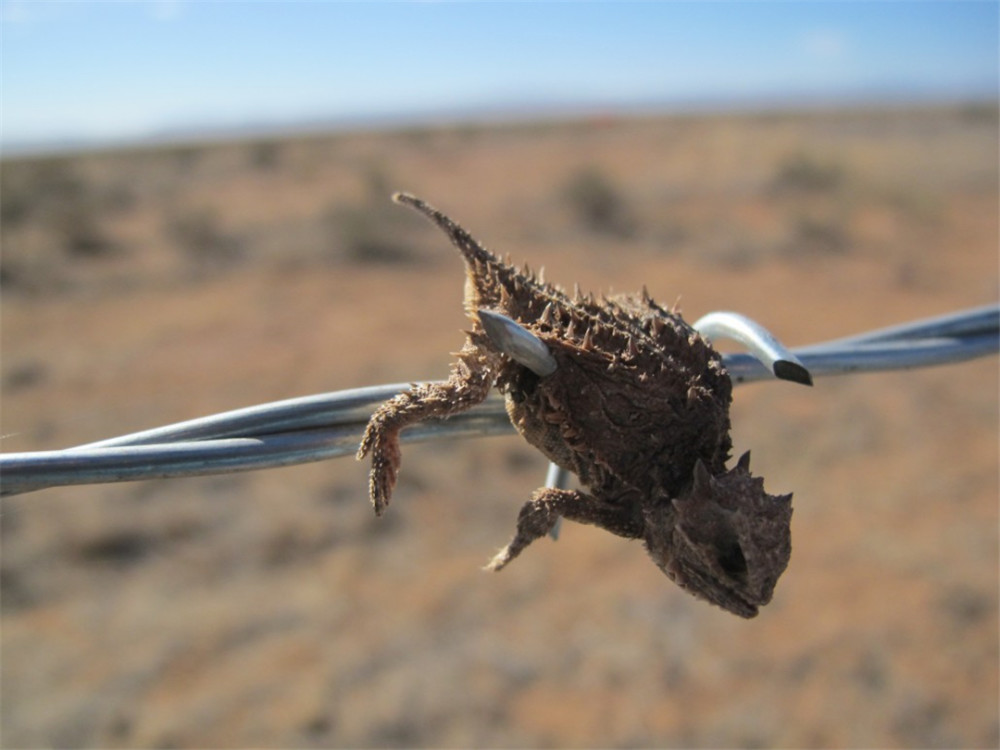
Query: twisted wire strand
pixel 329 425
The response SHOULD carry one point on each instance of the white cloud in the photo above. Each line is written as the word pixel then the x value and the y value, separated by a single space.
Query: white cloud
pixel 165 10
pixel 823 44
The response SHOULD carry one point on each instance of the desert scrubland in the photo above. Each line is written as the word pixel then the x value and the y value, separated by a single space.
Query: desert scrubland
pixel 271 609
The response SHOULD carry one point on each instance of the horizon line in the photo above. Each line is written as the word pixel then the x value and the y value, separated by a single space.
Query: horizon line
pixel 500 114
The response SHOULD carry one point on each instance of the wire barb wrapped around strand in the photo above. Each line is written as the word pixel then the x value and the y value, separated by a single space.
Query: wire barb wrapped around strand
pixel 314 428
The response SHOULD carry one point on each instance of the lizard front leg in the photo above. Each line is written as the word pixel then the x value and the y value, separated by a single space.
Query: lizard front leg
pixel 539 515
pixel 470 381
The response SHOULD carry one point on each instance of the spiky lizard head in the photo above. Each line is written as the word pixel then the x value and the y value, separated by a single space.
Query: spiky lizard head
pixel 724 539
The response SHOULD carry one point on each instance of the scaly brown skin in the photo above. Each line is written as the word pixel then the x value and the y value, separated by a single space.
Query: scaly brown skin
pixel 638 409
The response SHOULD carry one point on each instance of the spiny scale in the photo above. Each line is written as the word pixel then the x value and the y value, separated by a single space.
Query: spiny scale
pixel 625 325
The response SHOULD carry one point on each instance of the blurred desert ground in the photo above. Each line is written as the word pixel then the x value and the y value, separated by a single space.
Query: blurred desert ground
pixel 270 609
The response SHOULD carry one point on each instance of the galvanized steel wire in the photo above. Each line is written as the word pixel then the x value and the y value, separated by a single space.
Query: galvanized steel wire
pixel 315 428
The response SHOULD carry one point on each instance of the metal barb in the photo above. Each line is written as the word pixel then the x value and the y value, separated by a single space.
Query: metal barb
pixel 518 343
pixel 328 425
pixel 557 478
pixel 761 343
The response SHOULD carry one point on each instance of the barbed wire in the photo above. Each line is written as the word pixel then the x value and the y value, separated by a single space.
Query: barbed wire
pixel 329 425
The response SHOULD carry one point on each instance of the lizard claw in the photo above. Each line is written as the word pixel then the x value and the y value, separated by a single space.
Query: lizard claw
pixel 536 519
pixel 386 457
pixel 499 560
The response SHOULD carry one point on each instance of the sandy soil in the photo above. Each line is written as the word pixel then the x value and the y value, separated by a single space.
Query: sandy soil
pixel 272 610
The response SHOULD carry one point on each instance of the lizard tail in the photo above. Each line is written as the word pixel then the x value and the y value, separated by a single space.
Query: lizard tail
pixel 492 283
pixel 472 251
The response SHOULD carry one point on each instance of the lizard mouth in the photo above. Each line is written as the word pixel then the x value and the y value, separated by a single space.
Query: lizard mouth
pixel 741 606
pixel 715 591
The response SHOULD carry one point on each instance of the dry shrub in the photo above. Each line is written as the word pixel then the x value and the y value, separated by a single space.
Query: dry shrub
pixel 803 172
pixel 598 204
pixel 203 239
pixel 369 233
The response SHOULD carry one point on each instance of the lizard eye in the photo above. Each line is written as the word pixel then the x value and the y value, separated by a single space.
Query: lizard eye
pixel 731 559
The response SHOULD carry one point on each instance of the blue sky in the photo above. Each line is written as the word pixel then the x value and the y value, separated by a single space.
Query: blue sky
pixel 125 70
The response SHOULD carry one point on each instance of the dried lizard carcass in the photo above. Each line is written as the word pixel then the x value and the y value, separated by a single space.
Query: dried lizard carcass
pixel 626 395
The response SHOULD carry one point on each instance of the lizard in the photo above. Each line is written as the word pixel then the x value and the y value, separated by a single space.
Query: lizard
pixel 625 394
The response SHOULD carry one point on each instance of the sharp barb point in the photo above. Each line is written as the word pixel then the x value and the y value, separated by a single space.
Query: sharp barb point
pixel 792 371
